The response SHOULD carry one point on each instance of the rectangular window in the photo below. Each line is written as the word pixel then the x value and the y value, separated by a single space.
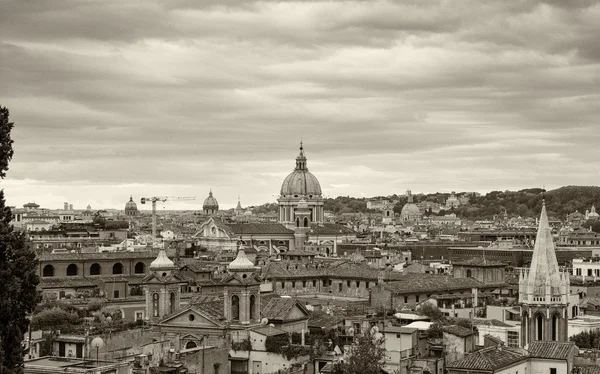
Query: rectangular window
pixel 116 294
pixel 552 370
pixel 340 287
pixel 348 283
pixel 314 283
pixel 405 299
pixel 303 284
pixel 293 284
pixel 357 284
pixel 513 339
pixel 282 285
pixel 139 316
pixel 417 298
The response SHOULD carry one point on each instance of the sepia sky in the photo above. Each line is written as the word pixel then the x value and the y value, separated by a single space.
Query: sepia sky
pixel 165 97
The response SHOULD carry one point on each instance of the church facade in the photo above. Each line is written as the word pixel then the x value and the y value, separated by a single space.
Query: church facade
pixel 301 221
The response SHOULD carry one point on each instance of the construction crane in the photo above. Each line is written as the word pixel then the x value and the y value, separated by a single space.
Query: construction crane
pixel 161 199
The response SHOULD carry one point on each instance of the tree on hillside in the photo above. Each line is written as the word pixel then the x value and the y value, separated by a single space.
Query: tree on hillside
pixel 18 275
pixel 367 356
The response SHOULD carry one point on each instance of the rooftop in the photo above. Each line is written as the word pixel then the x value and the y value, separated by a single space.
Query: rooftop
pixel 489 359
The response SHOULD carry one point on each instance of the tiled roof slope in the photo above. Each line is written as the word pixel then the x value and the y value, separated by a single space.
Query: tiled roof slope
pixel 258 228
pixel 330 229
pixel 489 359
pixel 459 331
pixel 550 349
pixel 414 282
pixel 278 308
pixel 338 269
pixel 478 261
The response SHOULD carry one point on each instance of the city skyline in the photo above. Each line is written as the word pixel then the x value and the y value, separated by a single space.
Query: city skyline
pixel 176 98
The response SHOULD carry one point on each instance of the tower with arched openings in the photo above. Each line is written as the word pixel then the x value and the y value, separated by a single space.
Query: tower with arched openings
pixel 241 291
pixel 162 287
pixel 543 291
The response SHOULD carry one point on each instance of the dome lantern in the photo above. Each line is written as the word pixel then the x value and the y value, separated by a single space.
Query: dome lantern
pixel 301 182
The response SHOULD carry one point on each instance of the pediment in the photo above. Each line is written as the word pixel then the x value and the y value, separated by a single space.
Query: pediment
pixel 191 318
pixel 296 312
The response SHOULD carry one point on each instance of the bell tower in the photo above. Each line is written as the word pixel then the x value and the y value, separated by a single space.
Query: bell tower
pixel 162 287
pixel 241 291
pixel 543 291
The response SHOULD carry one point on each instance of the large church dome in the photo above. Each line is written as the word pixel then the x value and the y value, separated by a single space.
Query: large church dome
pixel 211 205
pixel 130 207
pixel 301 182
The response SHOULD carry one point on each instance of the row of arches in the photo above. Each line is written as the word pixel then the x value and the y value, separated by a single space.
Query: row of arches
pixel 95 269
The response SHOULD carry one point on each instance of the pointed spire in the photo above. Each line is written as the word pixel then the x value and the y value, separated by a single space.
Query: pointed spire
pixel 544 274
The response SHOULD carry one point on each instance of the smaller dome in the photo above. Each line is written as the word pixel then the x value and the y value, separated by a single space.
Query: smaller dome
pixel 241 262
pixel 210 202
pixel 410 208
pixel 162 261
pixel 130 205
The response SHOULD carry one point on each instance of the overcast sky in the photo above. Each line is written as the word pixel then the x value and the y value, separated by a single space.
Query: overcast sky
pixel 159 97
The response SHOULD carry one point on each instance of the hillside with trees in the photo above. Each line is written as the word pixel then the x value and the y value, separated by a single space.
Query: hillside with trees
pixel 524 203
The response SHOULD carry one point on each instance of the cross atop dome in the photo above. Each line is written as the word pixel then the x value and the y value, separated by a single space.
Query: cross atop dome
pixel 301 159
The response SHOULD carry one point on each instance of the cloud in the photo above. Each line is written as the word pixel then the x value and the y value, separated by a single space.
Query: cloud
pixel 177 97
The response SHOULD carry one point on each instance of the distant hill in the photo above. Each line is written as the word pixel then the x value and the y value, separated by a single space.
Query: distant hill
pixel 524 203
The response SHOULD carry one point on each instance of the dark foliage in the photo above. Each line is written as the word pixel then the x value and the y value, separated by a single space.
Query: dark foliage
pixel 587 340
pixel 367 356
pixel 18 275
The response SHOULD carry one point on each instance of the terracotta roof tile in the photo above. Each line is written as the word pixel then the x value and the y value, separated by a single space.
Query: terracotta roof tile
pixel 489 359
pixel 459 331
pixel 549 349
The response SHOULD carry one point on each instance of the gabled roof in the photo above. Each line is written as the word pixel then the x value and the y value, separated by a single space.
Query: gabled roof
pixel 459 331
pixel 490 322
pixel 415 282
pixel 489 359
pixel 552 350
pixel 280 308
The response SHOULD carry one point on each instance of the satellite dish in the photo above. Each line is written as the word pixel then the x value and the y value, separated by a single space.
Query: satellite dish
pixel 264 321
pixel 97 342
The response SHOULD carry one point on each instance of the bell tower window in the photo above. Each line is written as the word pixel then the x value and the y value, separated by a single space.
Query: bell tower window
pixel 235 307
pixel 539 327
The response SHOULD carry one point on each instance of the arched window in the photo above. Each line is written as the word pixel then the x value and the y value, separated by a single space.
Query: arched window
pixel 95 269
pixel 190 345
pixel 48 271
pixel 297 222
pixel 140 267
pixel 235 307
pixel 72 270
pixel 172 302
pixel 469 273
pixel 252 306
pixel 554 327
pixel 575 311
pixel 118 268
pixel 305 221
pixel 155 304
pixel 539 320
